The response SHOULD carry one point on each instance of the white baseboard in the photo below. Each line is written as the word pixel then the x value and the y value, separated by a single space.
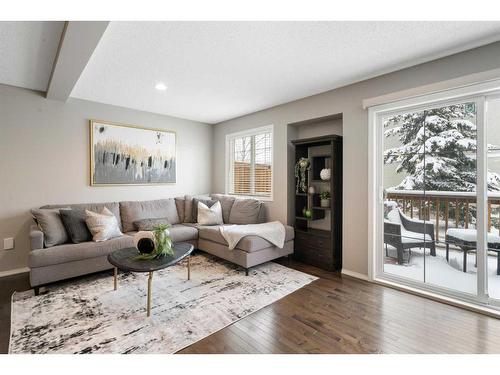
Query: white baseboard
pixel 14 271
pixel 357 275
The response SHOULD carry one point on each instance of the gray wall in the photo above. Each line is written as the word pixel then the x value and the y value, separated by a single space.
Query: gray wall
pixel 319 129
pixel 44 147
pixel 348 101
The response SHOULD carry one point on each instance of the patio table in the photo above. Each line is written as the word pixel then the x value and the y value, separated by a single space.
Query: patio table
pixel 466 240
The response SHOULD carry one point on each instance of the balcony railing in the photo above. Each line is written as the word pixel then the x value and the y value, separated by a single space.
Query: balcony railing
pixel 445 208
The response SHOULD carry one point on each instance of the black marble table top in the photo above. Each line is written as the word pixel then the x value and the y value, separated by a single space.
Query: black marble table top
pixel 124 258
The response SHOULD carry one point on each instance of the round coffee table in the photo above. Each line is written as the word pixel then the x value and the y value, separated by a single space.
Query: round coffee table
pixel 124 259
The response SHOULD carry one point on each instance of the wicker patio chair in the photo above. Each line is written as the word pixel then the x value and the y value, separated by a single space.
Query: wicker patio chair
pixel 403 233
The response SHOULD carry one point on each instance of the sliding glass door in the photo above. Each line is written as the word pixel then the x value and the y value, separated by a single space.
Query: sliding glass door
pixel 436 195
pixel 430 178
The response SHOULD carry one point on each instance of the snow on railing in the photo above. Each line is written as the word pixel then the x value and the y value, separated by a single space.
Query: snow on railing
pixel 439 193
pixel 455 206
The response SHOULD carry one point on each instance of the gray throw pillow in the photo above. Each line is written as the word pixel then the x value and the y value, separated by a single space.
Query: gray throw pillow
pixel 226 201
pixel 149 224
pixel 50 223
pixel 74 222
pixel 208 202
pixel 245 211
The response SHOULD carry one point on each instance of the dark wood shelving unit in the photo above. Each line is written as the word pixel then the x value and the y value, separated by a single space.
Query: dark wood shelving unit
pixel 320 247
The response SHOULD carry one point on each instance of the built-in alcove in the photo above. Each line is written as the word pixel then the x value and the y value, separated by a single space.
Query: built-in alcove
pixel 319 233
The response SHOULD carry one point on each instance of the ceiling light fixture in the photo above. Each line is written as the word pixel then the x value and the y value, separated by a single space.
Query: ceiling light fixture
pixel 160 86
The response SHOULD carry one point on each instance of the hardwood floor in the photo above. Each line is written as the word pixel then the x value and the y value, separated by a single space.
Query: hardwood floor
pixel 334 315
pixel 9 285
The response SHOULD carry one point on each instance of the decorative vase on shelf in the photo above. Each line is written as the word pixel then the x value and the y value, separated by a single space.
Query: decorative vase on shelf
pixel 325 199
pixel 325 203
pixel 325 174
pixel 308 214
pixel 311 190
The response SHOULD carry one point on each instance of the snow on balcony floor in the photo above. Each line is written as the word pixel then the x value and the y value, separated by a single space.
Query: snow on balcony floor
pixel 442 273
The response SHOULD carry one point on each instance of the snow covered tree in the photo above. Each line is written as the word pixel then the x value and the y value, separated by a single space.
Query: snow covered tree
pixel 438 149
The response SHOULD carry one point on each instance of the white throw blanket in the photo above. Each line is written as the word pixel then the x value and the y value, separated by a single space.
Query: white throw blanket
pixel 274 232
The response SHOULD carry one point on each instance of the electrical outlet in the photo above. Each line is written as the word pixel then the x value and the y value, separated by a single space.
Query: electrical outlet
pixel 8 243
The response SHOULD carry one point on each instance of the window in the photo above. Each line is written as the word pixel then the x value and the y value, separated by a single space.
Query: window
pixel 249 162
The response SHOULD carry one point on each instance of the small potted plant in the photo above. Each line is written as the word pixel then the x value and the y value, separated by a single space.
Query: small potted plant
pixel 325 199
pixel 162 243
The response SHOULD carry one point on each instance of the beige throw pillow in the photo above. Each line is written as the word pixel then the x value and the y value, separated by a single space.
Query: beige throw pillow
pixel 103 226
pixel 210 215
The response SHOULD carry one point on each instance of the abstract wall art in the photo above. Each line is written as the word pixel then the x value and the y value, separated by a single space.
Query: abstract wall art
pixel 131 155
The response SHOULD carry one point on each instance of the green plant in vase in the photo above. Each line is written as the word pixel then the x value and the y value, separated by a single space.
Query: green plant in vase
pixel 163 243
pixel 325 199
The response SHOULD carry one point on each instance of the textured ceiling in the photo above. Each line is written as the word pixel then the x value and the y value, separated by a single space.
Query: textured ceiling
pixel 220 70
pixel 27 51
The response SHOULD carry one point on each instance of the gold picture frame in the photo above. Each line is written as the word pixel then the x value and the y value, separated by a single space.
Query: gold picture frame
pixel 131 155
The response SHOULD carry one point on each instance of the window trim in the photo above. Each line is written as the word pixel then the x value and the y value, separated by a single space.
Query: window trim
pixel 230 158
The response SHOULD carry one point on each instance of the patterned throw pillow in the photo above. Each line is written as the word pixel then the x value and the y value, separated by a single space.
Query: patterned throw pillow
pixel 210 215
pixel 103 226
pixel 206 202
pixel 149 224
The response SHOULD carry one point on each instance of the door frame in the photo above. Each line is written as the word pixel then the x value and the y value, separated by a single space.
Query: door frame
pixel 478 93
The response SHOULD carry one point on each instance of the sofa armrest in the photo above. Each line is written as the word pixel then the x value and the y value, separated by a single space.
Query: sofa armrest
pixel 36 237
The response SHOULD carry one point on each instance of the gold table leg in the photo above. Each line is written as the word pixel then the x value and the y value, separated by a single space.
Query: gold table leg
pixel 116 278
pixel 189 267
pixel 150 279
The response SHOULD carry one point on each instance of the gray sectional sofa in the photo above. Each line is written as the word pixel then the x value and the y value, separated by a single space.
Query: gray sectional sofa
pixel 69 260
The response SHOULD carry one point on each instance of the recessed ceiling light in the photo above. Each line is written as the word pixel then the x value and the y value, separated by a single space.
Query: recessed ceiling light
pixel 160 86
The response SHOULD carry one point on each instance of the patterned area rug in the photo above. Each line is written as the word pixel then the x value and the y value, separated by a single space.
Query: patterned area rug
pixel 88 316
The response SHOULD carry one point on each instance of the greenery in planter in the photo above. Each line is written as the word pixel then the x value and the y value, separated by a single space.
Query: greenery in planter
pixel 163 244
pixel 324 195
pixel 301 168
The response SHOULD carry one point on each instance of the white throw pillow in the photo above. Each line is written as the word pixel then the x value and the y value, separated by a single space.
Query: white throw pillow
pixel 210 215
pixel 103 226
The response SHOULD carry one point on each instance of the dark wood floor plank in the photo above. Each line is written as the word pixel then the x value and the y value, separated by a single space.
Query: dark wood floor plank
pixel 9 285
pixel 334 314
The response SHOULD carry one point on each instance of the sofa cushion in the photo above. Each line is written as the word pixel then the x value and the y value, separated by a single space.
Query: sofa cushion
pixel 226 202
pixel 74 252
pixel 74 222
pixel 179 232
pixel 114 207
pixel 149 224
pixel 137 210
pixel 188 207
pixel 245 211
pixel 179 203
pixel 50 223
pixel 248 243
